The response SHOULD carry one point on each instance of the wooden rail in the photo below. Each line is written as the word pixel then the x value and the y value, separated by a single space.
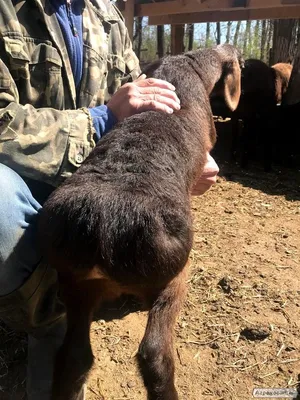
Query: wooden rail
pixel 218 16
pixel 171 7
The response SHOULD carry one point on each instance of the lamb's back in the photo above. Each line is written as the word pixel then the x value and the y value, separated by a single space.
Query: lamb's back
pixel 127 207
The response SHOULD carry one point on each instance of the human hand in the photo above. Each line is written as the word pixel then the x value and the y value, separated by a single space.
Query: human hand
pixel 143 95
pixel 208 177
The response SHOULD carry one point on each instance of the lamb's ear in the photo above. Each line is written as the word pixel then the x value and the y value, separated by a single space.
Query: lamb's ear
pixel 232 84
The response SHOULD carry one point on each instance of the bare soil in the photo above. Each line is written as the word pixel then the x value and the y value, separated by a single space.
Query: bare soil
pixel 239 328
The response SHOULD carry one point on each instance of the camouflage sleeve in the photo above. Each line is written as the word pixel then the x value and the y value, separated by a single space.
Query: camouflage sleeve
pixel 43 144
pixel 131 61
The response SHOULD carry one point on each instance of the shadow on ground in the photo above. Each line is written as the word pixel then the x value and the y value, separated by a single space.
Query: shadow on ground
pixel 13 358
pixel 13 349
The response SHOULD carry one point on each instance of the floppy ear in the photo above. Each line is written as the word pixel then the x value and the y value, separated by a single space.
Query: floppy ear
pixel 232 85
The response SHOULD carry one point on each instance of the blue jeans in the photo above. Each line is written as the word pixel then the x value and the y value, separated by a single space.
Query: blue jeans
pixel 19 255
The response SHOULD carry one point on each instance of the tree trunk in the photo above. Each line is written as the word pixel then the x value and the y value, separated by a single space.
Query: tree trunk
pixel 218 33
pixel 292 95
pixel 190 34
pixel 269 57
pixel 247 39
pixel 236 34
pixel 284 40
pixel 138 37
pixel 207 39
pixel 255 48
pixel 263 41
pixel 160 41
pixel 228 33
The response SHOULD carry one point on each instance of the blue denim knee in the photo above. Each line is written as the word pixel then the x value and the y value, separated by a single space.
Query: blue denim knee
pixel 18 222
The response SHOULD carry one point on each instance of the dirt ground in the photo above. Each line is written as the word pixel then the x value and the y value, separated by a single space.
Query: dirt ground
pixel 239 328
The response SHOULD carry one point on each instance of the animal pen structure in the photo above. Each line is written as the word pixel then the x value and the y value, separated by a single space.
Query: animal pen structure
pixel 179 12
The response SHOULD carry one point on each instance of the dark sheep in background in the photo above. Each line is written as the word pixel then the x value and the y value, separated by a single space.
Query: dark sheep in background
pixel 262 90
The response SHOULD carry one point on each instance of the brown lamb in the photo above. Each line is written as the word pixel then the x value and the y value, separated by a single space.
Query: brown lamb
pixel 122 222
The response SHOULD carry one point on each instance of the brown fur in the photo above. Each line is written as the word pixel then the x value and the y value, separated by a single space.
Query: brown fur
pixel 122 222
pixel 283 73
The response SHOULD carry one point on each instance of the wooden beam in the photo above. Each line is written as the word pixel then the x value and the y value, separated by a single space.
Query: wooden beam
pixel 128 13
pixel 197 6
pixel 177 39
pixel 219 16
pixel 160 41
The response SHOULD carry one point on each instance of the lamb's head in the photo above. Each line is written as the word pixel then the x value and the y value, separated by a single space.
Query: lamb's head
pixel 220 70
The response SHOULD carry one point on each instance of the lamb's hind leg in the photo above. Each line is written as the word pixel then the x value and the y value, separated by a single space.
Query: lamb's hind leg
pixel 156 349
pixel 75 358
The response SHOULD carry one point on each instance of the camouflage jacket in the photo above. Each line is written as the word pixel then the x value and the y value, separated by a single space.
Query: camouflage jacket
pixel 46 130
